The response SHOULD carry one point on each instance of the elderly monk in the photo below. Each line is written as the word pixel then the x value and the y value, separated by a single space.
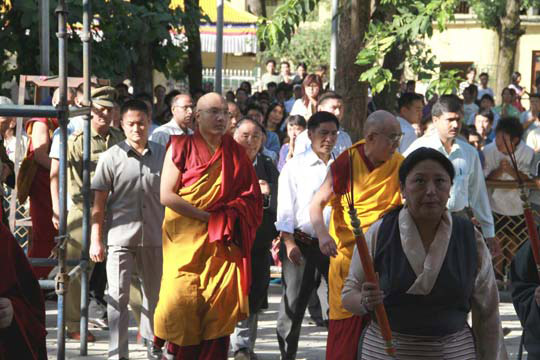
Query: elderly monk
pixel 375 165
pixel 22 310
pixel 213 209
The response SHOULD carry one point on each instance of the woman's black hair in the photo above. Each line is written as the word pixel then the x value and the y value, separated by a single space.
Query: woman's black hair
pixel 422 154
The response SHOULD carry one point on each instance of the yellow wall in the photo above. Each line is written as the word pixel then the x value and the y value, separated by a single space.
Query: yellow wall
pixel 466 41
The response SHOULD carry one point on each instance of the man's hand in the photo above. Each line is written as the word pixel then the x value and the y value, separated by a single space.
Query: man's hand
pixel 371 295
pixel 537 295
pixel 293 253
pixel 6 313
pixel 494 247
pixel 55 219
pixel 328 245
pixel 97 250
pixel 265 187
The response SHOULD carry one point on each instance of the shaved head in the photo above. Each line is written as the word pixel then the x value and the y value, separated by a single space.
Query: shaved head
pixel 209 100
pixel 378 121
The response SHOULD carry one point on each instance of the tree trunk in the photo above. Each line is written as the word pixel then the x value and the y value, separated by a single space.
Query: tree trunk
pixel 142 74
pixel 386 100
pixel 509 33
pixel 353 23
pixel 193 67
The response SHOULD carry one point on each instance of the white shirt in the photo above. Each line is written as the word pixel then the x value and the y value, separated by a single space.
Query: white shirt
pixel 533 138
pixel 469 188
pixel 506 201
pixel 75 124
pixel 300 179
pixel 299 108
pixel 469 111
pixel 409 135
pixel 162 134
pixel 303 142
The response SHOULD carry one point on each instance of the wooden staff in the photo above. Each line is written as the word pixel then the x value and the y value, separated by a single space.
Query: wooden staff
pixel 367 265
pixel 527 211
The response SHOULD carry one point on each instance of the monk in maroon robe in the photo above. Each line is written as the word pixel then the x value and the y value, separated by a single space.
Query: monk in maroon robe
pixel 22 309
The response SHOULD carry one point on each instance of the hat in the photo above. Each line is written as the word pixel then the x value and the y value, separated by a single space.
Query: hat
pixel 103 96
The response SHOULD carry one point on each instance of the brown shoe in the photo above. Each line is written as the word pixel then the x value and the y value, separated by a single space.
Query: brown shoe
pixel 76 335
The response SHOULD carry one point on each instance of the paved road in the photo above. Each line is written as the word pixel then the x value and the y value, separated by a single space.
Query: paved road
pixel 311 347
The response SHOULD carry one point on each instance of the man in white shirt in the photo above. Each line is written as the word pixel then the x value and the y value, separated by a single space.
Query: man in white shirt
pixel 469 188
pixel 530 118
pixel 483 86
pixel 300 179
pixel 332 103
pixel 182 111
pixel 410 106
pixel 506 204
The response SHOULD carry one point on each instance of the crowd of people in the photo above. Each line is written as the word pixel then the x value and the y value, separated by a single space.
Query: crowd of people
pixel 193 194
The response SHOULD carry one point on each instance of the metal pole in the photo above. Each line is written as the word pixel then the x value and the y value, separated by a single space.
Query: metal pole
pixel 61 277
pixel 86 38
pixel 333 45
pixel 219 46
pixel 45 47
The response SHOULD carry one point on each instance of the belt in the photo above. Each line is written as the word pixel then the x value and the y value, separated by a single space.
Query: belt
pixel 304 238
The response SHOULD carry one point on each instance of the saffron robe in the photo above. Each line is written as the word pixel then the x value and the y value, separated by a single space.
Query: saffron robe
pixel 25 338
pixel 43 231
pixel 206 267
pixel 376 190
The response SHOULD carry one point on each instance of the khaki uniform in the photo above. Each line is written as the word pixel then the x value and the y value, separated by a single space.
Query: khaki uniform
pixel 74 220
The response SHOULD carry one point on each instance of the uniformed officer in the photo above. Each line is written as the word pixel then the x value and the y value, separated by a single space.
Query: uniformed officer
pixel 103 136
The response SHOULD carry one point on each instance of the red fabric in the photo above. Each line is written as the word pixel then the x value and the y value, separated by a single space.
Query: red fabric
pixel 43 231
pixel 343 337
pixel 216 349
pixel 362 151
pixel 25 338
pixel 237 213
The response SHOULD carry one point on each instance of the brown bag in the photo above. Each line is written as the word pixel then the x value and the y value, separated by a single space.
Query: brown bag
pixel 28 168
pixel 26 175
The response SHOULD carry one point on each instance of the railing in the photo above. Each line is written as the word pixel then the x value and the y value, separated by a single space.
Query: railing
pixel 511 231
pixel 232 78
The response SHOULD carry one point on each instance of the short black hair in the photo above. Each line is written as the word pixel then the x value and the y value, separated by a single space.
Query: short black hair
pixel 447 104
pixel 135 105
pixel 487 96
pixel 510 125
pixel 329 95
pixel 256 107
pixel 471 89
pixel 321 117
pixel 271 61
pixel 271 84
pixel 422 154
pixel 406 99
pixel 297 120
pixel 483 74
pixel 302 64
pixel 488 114
pixel 285 62
pixel 515 76
pixel 144 97
pixel 251 120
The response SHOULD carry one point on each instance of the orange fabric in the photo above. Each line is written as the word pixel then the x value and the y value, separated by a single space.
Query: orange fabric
pixel 203 289
pixel 343 337
pixel 375 192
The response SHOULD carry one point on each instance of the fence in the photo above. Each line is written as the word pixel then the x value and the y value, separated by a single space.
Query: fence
pixel 232 78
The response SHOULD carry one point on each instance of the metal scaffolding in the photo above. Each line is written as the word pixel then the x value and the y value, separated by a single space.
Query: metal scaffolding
pixel 63 113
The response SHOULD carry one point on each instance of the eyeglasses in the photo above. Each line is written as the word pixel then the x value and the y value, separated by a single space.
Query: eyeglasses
pixel 393 138
pixel 217 112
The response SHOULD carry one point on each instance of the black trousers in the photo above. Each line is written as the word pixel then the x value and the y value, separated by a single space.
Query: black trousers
pixel 298 283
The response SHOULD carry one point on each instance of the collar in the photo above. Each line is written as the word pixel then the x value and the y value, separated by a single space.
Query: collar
pixel 435 140
pixel 368 162
pixel 124 145
pixel 313 159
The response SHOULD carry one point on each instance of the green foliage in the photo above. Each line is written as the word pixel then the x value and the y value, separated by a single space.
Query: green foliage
pixel 444 82
pixel 281 27
pixel 119 28
pixel 411 23
pixel 308 44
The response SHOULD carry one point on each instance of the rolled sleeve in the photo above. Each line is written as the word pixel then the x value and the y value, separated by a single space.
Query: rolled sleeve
pixel 285 220
pixel 103 177
pixel 479 200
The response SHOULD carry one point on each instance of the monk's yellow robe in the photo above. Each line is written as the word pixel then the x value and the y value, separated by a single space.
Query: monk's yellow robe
pixel 203 288
pixel 376 191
